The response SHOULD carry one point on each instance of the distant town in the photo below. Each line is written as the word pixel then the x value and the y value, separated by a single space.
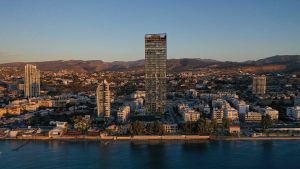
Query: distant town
pixel 151 104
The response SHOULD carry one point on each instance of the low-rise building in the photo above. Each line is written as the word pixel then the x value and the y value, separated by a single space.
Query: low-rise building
pixel 45 103
pixel 14 109
pixel 231 113
pixel 218 115
pixel 252 117
pixel 59 130
pixel 31 107
pixel 2 112
pixel 170 128
pixel 293 112
pixel 271 112
pixel 234 129
pixel 191 115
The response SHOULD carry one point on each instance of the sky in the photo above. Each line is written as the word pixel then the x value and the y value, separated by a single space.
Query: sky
pixel 113 30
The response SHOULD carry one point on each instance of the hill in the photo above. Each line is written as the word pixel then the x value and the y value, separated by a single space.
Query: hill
pixel 278 63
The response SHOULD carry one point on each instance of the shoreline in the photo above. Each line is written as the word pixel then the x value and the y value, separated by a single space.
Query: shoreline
pixel 151 138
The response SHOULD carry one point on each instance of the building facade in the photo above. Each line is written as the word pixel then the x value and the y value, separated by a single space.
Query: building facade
pixel 252 117
pixel 293 112
pixel 218 115
pixel 32 81
pixel 274 114
pixel 259 85
pixel 155 73
pixel 103 99
pixel 123 113
pixel 231 113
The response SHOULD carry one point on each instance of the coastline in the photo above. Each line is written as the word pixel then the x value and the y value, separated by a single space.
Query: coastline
pixel 151 138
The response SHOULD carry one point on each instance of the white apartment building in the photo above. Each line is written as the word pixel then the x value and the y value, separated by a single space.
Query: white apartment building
pixel 270 111
pixel 123 113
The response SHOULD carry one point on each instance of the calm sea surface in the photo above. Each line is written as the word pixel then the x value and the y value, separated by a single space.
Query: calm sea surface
pixel 171 155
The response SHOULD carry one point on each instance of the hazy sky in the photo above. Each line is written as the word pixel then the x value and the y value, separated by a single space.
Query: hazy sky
pixel 235 30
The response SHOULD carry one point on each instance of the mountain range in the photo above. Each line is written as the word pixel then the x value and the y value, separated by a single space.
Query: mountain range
pixel 278 63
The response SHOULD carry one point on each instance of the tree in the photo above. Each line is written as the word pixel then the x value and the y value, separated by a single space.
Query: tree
pixel 157 128
pixel 136 128
pixel 82 124
pixel 213 124
pixel 226 122
pixel 205 127
pixel 266 121
pixel 202 127
pixel 188 127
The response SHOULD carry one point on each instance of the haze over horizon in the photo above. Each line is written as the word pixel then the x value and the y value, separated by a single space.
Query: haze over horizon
pixel 32 30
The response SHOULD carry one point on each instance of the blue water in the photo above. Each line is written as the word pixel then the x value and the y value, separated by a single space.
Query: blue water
pixel 126 155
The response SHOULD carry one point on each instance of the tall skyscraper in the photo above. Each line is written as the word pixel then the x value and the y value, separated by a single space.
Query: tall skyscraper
pixel 103 99
pixel 155 73
pixel 32 81
pixel 259 85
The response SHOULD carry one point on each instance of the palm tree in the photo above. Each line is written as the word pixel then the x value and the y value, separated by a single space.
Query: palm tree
pixel 266 122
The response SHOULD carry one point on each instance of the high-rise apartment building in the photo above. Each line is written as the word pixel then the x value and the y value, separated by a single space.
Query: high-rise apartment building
pixel 103 99
pixel 32 81
pixel 259 85
pixel 155 73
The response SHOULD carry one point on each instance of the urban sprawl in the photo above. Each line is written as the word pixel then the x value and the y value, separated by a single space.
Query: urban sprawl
pixel 147 104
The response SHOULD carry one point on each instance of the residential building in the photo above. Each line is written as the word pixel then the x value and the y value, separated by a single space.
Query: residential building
pixel 32 81
pixel 231 113
pixel 218 115
pixel 136 104
pixel 259 85
pixel 170 128
pixel 293 112
pixel 103 99
pixel 270 111
pixel 59 130
pixel 13 109
pixel 155 73
pixel 191 115
pixel 2 112
pixel 138 94
pixel 234 129
pixel 123 113
pixel 242 107
pixel 252 117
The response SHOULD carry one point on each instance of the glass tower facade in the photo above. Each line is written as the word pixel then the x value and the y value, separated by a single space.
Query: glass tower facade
pixel 155 73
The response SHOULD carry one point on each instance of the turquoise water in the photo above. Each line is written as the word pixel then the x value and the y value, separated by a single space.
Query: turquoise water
pixel 127 155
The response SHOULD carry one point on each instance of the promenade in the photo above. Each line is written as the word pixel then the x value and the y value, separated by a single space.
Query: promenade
pixel 146 138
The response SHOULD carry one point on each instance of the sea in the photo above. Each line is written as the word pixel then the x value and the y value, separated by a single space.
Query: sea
pixel 281 154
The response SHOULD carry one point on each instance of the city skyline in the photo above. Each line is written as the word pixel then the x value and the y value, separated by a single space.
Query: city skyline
pixel 65 30
pixel 149 84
